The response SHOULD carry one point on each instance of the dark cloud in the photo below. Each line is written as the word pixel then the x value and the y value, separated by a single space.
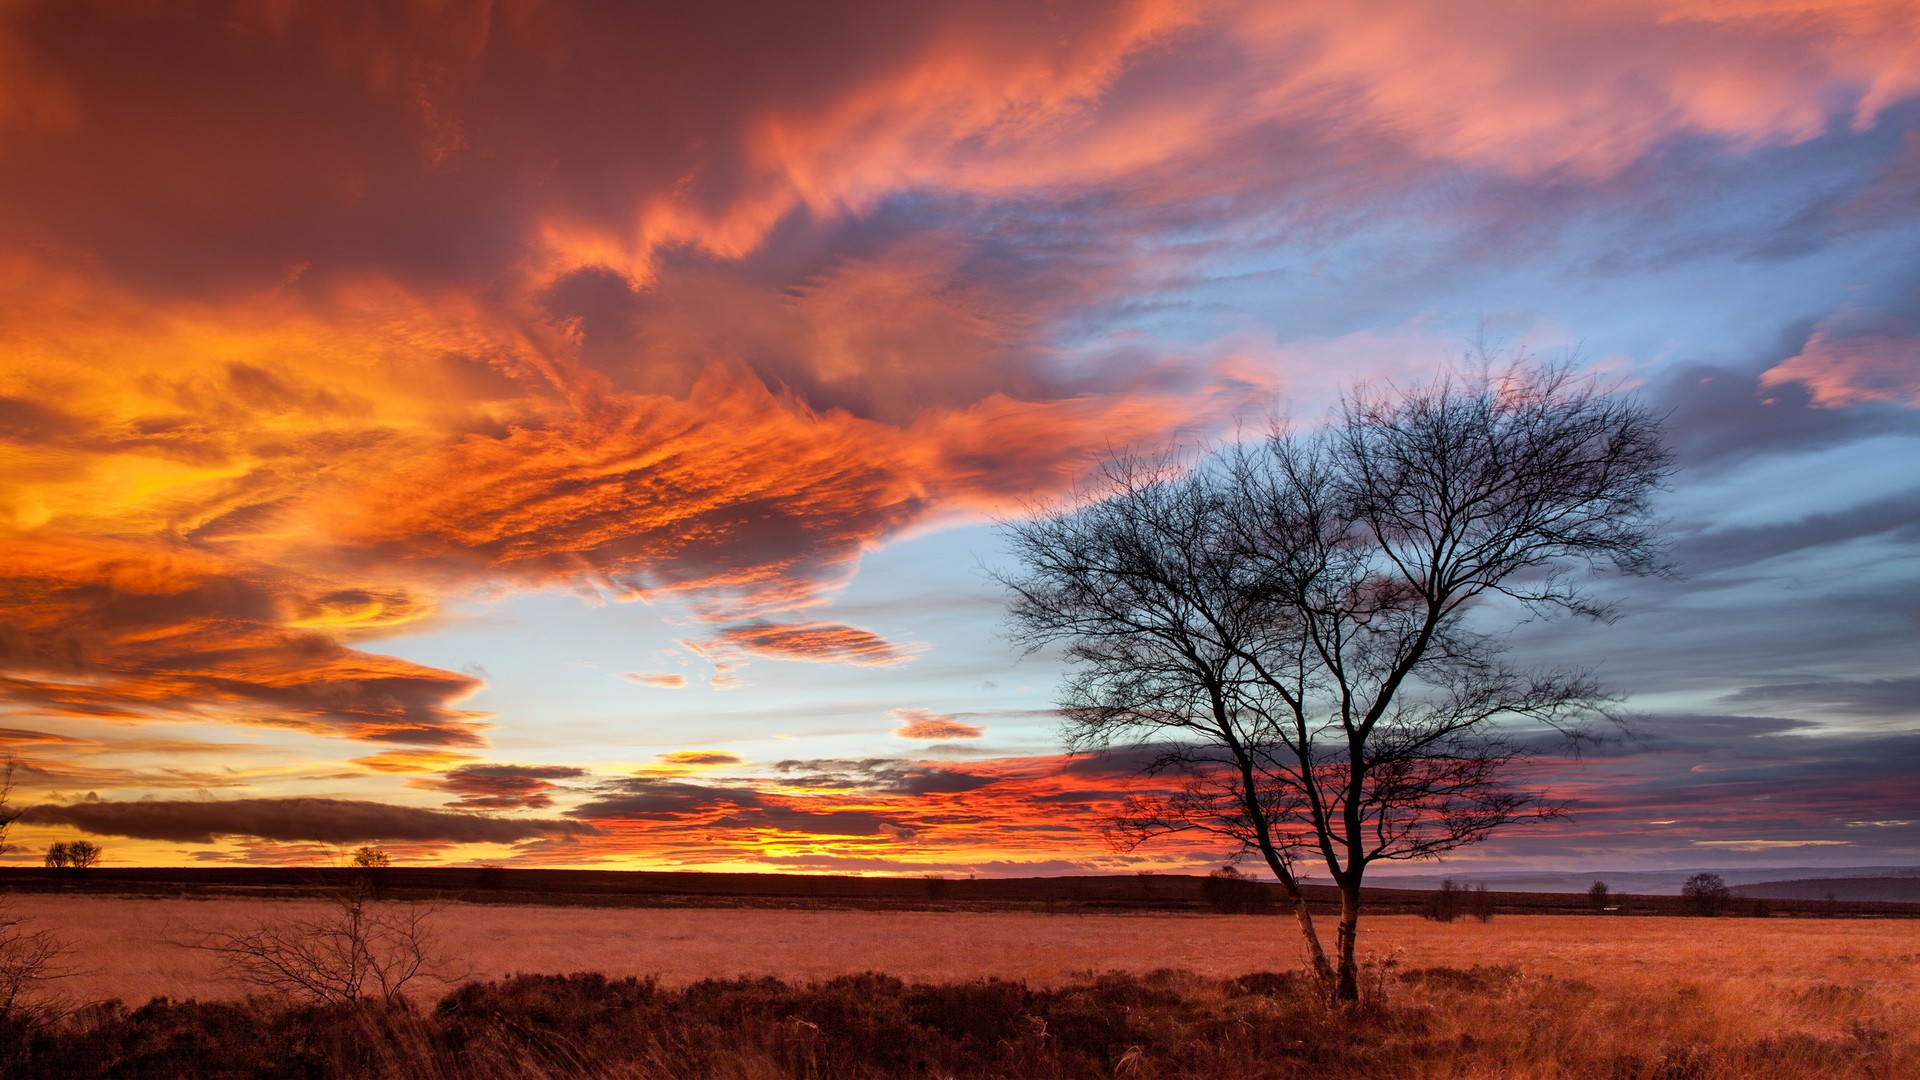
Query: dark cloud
pixel 501 787
pixel 1894 518
pixel 724 807
pixel 1895 698
pixel 881 775
pixel 1718 416
pixel 327 821
pixel 1711 777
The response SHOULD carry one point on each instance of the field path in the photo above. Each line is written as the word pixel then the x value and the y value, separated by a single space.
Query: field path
pixel 135 949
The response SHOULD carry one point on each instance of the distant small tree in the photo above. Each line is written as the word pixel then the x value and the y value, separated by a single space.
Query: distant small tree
pixel 1599 897
pixel 1706 894
pixel 370 867
pixel 1479 903
pixel 58 858
pixel 1444 904
pixel 83 855
pixel 1228 891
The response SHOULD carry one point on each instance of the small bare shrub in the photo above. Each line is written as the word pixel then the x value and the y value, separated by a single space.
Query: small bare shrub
pixel 357 948
pixel 29 960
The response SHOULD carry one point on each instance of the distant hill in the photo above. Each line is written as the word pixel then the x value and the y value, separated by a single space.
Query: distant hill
pixel 1659 882
pixel 1902 889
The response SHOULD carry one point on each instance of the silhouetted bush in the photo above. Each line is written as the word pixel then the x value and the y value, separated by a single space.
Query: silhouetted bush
pixel 1444 904
pixel 1478 903
pixel 1706 894
pixel 1228 891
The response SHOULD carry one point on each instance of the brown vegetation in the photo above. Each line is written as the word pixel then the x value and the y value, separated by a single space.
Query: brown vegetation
pixel 1421 1022
pixel 761 993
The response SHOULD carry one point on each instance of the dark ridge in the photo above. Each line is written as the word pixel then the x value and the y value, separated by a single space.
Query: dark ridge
pixel 1115 893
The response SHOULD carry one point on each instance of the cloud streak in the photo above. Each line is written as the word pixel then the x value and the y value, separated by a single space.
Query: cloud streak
pixel 292 820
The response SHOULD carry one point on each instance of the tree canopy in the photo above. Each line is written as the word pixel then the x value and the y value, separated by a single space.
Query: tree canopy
pixel 1309 633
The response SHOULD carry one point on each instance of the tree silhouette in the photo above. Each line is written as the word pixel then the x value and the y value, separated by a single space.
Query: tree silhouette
pixel 1706 894
pixel 1306 636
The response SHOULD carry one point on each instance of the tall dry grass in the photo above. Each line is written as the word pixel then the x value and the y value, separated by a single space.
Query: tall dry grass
pixel 1537 996
pixel 1431 1022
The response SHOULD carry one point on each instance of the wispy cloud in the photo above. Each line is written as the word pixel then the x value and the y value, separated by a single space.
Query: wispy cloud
pixel 924 724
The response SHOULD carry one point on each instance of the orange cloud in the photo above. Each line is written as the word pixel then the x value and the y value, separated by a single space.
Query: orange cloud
pixel 923 724
pixel 492 318
pixel 879 813
pixel 819 642
pixel 664 680
pixel 413 761
pixel 132 631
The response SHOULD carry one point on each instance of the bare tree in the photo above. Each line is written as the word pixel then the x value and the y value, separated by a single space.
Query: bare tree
pixel 1310 633
pixel 8 812
pixel 29 959
pixel 357 947
pixel 1706 893
pixel 83 855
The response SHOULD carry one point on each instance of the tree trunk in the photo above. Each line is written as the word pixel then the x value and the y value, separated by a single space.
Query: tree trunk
pixel 1322 970
pixel 1347 978
pixel 1316 954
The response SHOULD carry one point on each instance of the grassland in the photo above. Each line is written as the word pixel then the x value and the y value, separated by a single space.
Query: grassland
pixel 768 992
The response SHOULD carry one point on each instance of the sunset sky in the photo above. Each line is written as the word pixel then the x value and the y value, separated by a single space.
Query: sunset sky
pixel 568 434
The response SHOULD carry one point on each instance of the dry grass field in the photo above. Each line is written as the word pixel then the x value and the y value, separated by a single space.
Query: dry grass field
pixel 1572 996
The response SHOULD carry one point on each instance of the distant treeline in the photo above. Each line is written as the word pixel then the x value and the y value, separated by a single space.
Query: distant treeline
pixel 623 888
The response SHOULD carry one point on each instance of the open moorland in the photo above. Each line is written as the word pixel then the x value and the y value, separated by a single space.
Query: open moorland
pixel 803 990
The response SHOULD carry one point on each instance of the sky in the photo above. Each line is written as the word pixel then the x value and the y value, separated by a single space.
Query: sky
pixel 565 434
